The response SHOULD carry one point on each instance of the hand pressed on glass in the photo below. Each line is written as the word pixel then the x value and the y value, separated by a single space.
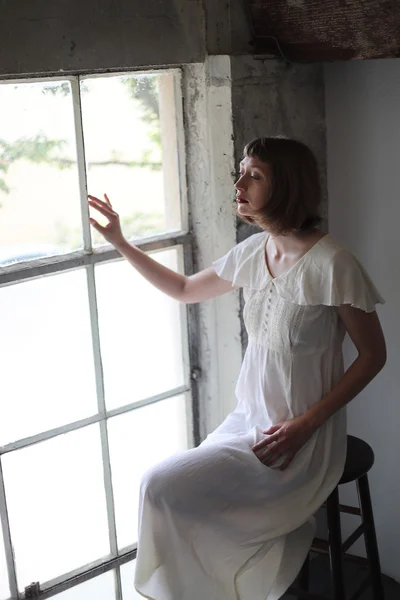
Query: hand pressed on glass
pixel 112 231
pixel 284 441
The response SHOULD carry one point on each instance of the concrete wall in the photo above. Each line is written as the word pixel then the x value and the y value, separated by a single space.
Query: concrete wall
pixel 228 29
pixel 209 155
pixel 74 35
pixel 363 135
pixel 87 35
pixel 270 97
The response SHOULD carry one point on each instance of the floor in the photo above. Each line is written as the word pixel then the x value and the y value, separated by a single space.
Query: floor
pixel 354 574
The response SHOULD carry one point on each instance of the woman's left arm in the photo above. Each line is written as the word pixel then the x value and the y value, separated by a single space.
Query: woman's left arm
pixel 366 334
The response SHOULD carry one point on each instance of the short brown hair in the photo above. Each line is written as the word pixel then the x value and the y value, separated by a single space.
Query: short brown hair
pixel 295 186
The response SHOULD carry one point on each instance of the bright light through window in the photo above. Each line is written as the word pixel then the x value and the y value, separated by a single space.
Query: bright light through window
pixel 92 355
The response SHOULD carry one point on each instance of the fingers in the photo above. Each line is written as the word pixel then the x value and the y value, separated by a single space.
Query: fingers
pixel 102 207
pixel 95 199
pixel 96 225
pixel 272 429
pixel 97 203
pixel 269 457
pixel 270 450
pixel 265 442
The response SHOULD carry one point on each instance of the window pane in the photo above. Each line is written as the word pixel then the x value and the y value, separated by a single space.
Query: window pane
pixel 98 588
pixel 134 448
pixel 127 577
pixel 4 587
pixel 140 333
pixel 39 189
pixel 56 504
pixel 47 373
pixel 131 151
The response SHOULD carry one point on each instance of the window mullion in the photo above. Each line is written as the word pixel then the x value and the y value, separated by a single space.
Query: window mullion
pixel 180 139
pixel 190 370
pixel 80 152
pixel 85 573
pixel 37 268
pixel 192 356
pixel 12 575
pixel 112 529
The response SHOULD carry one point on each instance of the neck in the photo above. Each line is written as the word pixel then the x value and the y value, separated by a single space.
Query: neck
pixel 293 243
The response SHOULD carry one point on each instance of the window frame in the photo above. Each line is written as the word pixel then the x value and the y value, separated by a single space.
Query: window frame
pixel 87 259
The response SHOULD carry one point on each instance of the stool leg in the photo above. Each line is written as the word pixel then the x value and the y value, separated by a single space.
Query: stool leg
pixel 304 575
pixel 371 544
pixel 335 545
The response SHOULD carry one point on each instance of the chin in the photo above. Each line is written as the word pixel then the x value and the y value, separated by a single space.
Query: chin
pixel 245 210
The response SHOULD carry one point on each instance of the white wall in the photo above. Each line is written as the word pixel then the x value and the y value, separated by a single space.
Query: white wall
pixel 363 138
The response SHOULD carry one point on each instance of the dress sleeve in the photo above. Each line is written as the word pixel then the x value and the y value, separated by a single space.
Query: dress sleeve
pixel 347 282
pixel 241 264
pixel 226 266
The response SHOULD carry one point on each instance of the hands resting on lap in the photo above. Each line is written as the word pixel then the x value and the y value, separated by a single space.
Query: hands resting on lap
pixel 283 442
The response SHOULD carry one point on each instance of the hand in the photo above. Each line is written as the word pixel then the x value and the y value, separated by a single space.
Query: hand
pixel 112 231
pixel 285 440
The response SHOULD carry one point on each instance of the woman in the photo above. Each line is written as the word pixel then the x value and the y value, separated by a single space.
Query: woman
pixel 232 519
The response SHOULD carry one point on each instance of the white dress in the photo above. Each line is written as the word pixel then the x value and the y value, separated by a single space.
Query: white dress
pixel 214 522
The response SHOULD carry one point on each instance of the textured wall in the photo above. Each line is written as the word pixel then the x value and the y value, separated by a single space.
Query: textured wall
pixel 344 29
pixel 270 98
pixel 228 27
pixel 209 156
pixel 74 35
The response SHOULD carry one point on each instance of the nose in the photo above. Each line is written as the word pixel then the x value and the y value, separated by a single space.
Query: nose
pixel 239 185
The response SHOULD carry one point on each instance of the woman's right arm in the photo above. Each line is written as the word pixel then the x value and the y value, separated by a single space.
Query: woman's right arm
pixel 188 289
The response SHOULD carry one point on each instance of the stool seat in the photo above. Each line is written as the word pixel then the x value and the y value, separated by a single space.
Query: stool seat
pixel 359 459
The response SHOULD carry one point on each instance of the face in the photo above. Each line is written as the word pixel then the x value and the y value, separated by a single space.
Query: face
pixel 253 187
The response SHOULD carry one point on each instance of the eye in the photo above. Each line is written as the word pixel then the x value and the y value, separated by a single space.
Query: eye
pixel 242 173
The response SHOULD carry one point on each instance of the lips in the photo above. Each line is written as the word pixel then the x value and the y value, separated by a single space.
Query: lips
pixel 241 200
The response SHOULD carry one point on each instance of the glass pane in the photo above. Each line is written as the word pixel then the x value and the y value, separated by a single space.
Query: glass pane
pixel 140 333
pixel 4 587
pixel 131 151
pixel 56 504
pixel 132 454
pixel 127 577
pixel 47 373
pixel 39 188
pixel 98 588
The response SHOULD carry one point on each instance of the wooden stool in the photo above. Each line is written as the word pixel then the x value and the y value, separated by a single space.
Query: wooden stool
pixel 359 461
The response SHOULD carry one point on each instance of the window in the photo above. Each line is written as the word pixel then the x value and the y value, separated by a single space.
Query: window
pixel 95 365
